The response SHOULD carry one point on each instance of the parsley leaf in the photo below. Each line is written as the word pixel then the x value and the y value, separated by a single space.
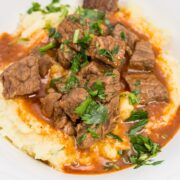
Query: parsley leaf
pixel 110 165
pixel 81 139
pixel 91 112
pixel 114 136
pixel 138 115
pixel 76 64
pixel 133 99
pixel 123 36
pixel 95 28
pixel 53 33
pixel 54 81
pixel 76 36
pixel 109 73
pixel 109 54
pixel 144 149
pixel 35 7
pixel 93 133
pixel 137 127
pixel 71 82
pixel 47 47
pixel 98 90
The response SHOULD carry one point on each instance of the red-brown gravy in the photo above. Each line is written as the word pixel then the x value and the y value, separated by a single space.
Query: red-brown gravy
pixel 11 52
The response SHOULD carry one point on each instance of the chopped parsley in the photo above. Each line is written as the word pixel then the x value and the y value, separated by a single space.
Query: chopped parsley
pixel 144 149
pixel 76 64
pixel 133 99
pixel 35 7
pixel 54 81
pixel 53 33
pixel 109 73
pixel 110 165
pixel 81 139
pixel 95 28
pixel 91 112
pixel 138 115
pixel 53 7
pixel 109 54
pixel 114 136
pixel 47 47
pixel 93 133
pixel 76 36
pixel 108 24
pixel 98 90
pixel 137 83
pixel 123 36
pixel 142 118
pixel 71 82
pixel 137 127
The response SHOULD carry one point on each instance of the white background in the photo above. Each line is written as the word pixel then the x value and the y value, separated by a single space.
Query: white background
pixel 15 165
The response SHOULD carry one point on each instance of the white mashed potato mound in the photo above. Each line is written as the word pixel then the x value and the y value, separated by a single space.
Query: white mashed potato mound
pixel 42 142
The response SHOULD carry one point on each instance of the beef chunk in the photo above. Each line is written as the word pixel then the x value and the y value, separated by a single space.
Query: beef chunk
pixel 61 121
pixel 45 63
pixel 104 5
pixel 21 78
pixel 48 103
pixel 108 50
pixel 93 68
pixel 111 84
pixel 123 33
pixel 70 101
pixel 89 140
pixel 113 113
pixel 149 87
pixel 65 56
pixel 67 29
pixel 143 57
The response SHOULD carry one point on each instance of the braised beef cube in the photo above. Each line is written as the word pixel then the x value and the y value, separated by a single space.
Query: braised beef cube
pixel 147 86
pixel 45 63
pixel 104 5
pixel 48 103
pixel 113 114
pixel 21 78
pixel 121 32
pixel 84 138
pixel 108 50
pixel 93 68
pixel 143 57
pixel 68 28
pixel 65 56
pixel 111 85
pixel 70 101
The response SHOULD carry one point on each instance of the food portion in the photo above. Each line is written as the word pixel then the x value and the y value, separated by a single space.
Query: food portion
pixel 95 81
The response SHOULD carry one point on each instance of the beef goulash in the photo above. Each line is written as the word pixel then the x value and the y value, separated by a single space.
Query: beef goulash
pixel 102 61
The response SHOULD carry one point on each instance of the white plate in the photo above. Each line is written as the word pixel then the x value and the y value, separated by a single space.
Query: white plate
pixel 14 165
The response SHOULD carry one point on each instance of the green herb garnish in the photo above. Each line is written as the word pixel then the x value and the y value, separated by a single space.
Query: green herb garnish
pixel 138 115
pixel 109 73
pixel 91 112
pixel 71 82
pixel 114 136
pixel 137 127
pixel 144 149
pixel 35 7
pixel 109 54
pixel 123 36
pixel 95 28
pixel 54 81
pixel 47 47
pixel 93 133
pixel 133 99
pixel 110 165
pixel 76 64
pixel 81 139
pixel 76 36
pixel 98 90
pixel 53 33
pixel 137 83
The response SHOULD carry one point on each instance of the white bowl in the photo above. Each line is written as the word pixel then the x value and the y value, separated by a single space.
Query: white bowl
pixel 15 165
